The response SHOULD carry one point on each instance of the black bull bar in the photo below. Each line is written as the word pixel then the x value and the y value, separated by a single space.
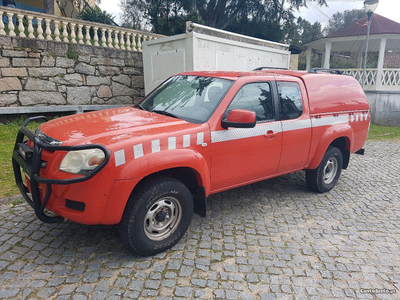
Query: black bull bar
pixel 30 160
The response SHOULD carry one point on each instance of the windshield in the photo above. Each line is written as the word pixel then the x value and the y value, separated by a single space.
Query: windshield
pixel 191 98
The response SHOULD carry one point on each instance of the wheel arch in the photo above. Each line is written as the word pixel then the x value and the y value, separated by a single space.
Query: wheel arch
pixel 343 144
pixel 190 177
pixel 340 136
pixel 137 171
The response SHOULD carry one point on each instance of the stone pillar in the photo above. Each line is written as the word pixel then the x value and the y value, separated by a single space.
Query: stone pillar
pixel 327 56
pixel 381 59
pixel 308 57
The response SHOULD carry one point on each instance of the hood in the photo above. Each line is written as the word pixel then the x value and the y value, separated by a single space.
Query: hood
pixel 110 126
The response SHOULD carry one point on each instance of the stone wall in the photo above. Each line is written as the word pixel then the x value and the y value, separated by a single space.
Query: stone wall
pixel 38 72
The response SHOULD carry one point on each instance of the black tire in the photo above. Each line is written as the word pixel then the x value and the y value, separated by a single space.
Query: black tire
pixel 165 201
pixel 325 177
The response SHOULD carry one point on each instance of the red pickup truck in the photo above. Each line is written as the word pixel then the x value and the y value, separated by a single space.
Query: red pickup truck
pixel 150 166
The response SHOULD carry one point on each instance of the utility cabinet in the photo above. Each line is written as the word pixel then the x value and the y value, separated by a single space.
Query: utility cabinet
pixel 204 48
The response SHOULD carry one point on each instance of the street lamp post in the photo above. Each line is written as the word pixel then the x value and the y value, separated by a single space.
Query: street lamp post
pixel 370 6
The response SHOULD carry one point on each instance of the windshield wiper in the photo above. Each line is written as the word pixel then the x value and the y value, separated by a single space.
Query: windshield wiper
pixel 165 113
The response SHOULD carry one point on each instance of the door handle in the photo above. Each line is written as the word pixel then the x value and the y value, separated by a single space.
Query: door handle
pixel 270 134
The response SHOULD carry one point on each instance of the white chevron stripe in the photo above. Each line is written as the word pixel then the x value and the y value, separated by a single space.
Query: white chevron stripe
pixel 296 124
pixel 138 151
pixel 324 121
pixel 155 146
pixel 186 140
pixel 200 138
pixel 171 143
pixel 261 129
pixel 242 133
pixel 119 157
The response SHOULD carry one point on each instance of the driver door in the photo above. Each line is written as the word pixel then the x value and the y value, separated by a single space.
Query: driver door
pixel 244 155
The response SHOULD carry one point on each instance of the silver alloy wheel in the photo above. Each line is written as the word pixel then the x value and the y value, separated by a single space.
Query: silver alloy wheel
pixel 330 170
pixel 162 218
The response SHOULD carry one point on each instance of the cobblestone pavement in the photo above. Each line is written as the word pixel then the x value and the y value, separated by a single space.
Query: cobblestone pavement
pixel 273 239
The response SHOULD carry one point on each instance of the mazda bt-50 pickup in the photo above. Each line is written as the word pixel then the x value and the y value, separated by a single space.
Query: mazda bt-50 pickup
pixel 150 166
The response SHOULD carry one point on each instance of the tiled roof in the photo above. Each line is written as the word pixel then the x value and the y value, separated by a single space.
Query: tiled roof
pixel 379 25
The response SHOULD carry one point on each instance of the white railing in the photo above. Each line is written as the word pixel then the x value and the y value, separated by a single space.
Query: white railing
pixel 370 75
pixel 23 23
pixel 391 77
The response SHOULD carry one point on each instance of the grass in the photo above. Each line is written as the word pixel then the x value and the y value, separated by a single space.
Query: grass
pixel 18 201
pixel 378 132
pixel 8 132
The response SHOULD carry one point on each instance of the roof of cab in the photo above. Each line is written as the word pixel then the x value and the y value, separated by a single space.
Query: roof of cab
pixel 231 75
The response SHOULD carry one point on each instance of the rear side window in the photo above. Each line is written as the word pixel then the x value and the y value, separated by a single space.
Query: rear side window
pixel 290 100
pixel 255 97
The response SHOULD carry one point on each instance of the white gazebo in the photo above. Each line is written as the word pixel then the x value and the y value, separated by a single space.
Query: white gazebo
pixel 380 82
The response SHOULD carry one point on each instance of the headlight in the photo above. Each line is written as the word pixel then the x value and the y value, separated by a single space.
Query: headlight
pixel 82 161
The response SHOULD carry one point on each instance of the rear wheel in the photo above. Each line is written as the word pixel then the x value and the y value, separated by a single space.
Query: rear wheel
pixel 326 175
pixel 157 216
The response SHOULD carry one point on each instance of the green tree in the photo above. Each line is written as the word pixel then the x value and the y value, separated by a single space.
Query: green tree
pixel 221 13
pixel 96 15
pixel 161 16
pixel 310 32
pixel 303 32
pixel 266 19
pixel 342 20
pixel 255 18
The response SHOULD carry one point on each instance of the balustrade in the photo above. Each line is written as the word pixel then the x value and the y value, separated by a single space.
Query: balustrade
pixel 390 78
pixel 22 23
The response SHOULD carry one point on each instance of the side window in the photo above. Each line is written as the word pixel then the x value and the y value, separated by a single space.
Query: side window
pixel 255 97
pixel 290 100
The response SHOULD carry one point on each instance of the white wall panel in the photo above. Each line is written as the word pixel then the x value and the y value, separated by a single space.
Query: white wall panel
pixel 195 51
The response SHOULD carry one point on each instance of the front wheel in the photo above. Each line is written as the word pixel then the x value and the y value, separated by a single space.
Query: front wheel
pixel 157 216
pixel 326 175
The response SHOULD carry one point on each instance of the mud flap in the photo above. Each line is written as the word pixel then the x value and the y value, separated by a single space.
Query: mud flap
pixel 200 202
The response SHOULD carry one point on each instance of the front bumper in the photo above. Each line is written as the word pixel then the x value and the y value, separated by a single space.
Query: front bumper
pixel 30 160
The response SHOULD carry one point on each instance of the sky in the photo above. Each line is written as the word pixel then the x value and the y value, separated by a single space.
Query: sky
pixel 387 8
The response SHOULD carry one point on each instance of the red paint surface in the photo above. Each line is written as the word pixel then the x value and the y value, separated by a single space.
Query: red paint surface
pixel 241 116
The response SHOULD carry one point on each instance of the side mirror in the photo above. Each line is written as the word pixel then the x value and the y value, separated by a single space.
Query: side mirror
pixel 240 118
